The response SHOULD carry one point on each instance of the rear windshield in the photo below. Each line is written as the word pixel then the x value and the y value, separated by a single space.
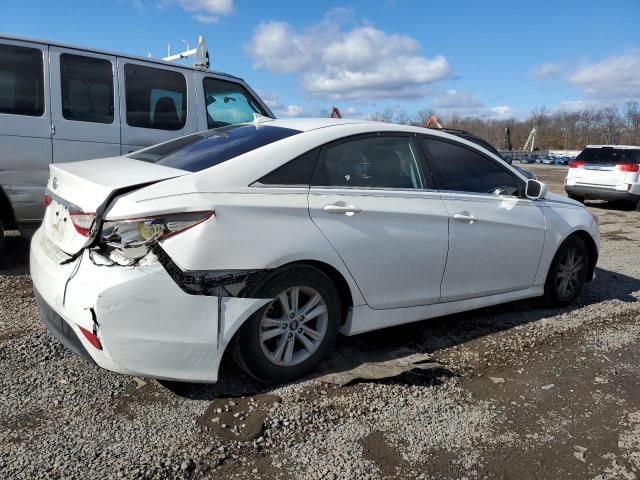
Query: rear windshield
pixel 205 149
pixel 605 155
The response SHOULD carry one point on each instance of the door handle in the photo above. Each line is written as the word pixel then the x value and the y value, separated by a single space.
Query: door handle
pixel 341 208
pixel 465 217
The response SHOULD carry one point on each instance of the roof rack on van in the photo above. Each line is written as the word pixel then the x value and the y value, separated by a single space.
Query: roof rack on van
pixel 201 52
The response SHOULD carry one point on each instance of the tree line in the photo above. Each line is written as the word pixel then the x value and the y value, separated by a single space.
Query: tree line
pixel 557 130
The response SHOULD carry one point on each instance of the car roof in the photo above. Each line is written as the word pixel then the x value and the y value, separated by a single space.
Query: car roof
pixel 632 147
pixel 160 61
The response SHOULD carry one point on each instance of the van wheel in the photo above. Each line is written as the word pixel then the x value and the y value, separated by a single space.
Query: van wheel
pixel 567 273
pixel 290 335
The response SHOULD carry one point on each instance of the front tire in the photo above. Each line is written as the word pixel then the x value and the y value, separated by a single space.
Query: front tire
pixel 288 337
pixel 576 198
pixel 1 235
pixel 567 274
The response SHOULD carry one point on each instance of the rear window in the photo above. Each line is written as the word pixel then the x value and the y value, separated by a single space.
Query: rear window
pixel 206 149
pixel 21 81
pixel 605 155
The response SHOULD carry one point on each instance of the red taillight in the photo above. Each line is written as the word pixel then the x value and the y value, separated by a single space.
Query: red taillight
pixel 93 339
pixel 576 164
pixel 47 200
pixel 83 222
pixel 628 167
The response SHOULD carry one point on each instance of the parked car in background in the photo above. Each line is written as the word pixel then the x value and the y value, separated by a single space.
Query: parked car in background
pixel 63 103
pixel 528 158
pixel 269 238
pixel 548 160
pixel 605 172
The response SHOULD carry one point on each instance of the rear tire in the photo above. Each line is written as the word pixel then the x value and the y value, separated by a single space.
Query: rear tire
pixel 576 198
pixel 638 205
pixel 567 274
pixel 288 337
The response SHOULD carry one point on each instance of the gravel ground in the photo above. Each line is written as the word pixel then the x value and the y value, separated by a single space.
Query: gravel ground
pixel 522 392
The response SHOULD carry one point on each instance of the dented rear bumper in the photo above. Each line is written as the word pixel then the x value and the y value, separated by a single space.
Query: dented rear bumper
pixel 147 324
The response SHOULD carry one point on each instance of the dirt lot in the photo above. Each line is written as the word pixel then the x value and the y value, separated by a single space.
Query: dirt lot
pixel 521 392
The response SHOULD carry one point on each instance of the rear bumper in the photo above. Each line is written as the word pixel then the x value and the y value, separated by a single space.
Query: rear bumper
pixel 600 193
pixel 146 324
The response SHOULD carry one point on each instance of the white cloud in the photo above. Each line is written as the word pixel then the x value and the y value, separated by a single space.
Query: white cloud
pixel 211 7
pixel 334 63
pixel 615 77
pixel 547 70
pixel 209 19
pixel 293 111
pixel 457 99
pixel 465 104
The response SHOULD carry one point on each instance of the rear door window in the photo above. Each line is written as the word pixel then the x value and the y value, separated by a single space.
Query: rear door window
pixel 608 156
pixel 370 162
pixel 228 103
pixel 155 97
pixel 21 81
pixel 87 88
pixel 206 149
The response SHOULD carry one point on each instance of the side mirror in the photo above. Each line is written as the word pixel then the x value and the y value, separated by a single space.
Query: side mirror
pixel 535 189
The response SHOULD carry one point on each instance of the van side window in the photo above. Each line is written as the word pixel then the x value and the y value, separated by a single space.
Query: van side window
pixel 155 98
pixel 21 81
pixel 87 88
pixel 228 103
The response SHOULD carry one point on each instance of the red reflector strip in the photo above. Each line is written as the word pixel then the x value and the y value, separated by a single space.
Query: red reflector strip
pixel 47 200
pixel 628 167
pixel 93 340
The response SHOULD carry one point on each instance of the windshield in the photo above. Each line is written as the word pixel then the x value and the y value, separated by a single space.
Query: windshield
pixel 205 149
pixel 608 155
pixel 228 103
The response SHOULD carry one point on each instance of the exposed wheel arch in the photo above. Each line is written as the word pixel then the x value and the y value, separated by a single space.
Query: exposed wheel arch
pixel 340 283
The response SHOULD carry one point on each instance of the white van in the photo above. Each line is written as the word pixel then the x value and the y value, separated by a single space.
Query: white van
pixel 63 103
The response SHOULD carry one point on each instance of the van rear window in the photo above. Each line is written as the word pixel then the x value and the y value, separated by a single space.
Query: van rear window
pixel 206 149
pixel 21 81
pixel 608 156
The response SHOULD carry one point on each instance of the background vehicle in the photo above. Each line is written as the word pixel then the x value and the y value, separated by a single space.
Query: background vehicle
pixel 528 158
pixel 605 172
pixel 270 237
pixel 62 103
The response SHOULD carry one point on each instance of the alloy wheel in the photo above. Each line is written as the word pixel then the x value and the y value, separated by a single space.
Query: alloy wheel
pixel 569 271
pixel 293 326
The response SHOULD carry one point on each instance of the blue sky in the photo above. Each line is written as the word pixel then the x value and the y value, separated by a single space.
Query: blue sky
pixel 485 58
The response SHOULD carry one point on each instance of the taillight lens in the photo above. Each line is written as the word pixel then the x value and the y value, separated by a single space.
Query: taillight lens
pixel 137 232
pixel 47 200
pixel 83 222
pixel 576 164
pixel 628 167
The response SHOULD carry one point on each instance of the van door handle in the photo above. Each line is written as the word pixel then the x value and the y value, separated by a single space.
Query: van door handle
pixel 465 217
pixel 342 208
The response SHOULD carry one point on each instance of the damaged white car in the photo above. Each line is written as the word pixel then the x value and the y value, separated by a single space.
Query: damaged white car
pixel 270 238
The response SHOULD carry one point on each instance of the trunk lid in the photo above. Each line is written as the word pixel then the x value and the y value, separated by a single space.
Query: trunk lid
pixel 86 188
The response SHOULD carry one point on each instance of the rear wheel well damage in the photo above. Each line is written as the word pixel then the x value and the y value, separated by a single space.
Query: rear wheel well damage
pixel 592 249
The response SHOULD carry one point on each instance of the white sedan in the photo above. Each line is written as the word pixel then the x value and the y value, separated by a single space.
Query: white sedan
pixel 270 238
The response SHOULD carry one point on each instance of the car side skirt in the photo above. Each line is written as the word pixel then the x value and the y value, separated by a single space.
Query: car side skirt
pixel 365 318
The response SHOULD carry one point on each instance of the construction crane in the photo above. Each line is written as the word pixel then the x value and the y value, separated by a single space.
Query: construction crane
pixel 335 113
pixel 530 144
